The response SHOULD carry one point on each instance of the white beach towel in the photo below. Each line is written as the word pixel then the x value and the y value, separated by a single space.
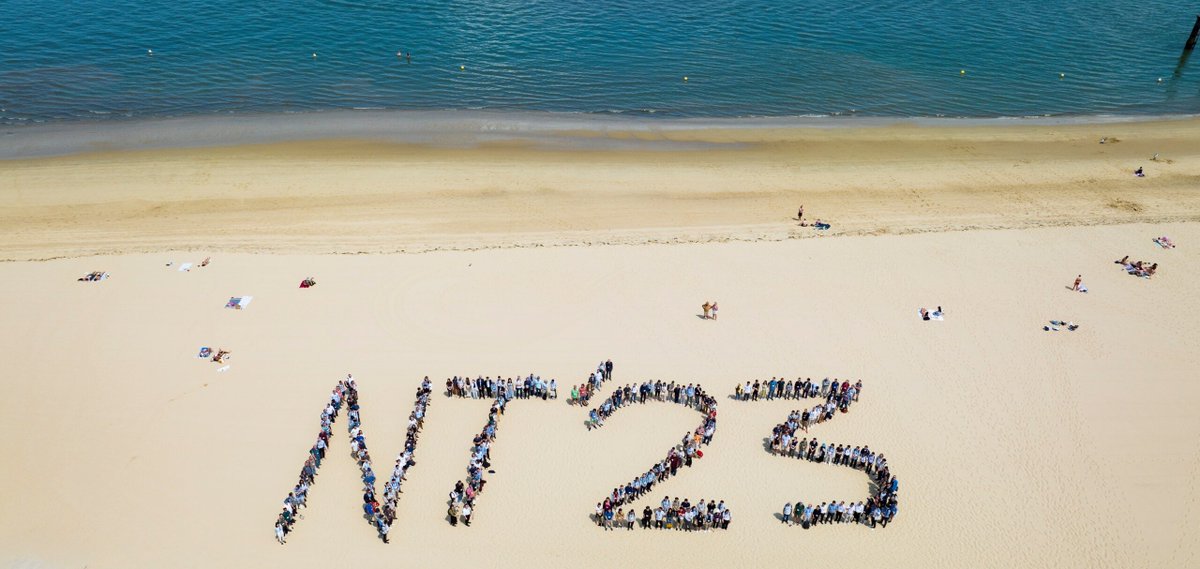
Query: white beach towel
pixel 223 369
pixel 185 267
pixel 244 301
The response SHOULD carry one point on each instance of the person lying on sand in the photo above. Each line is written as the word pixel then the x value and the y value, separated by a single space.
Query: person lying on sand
pixel 220 356
pixel 1124 260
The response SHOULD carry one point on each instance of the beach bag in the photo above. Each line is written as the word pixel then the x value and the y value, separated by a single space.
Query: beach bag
pixel 699 453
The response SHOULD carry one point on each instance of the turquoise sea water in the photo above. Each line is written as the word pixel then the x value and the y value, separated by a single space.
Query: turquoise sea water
pixel 88 59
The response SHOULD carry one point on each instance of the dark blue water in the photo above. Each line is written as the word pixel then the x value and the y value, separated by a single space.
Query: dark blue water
pixel 87 59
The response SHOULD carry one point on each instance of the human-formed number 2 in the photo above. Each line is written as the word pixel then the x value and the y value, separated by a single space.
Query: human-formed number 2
pixel 677 457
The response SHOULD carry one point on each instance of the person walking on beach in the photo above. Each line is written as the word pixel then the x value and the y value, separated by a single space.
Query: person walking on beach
pixel 1078 279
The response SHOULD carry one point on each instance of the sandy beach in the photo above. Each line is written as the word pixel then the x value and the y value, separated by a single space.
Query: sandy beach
pixel 1015 447
pixel 363 196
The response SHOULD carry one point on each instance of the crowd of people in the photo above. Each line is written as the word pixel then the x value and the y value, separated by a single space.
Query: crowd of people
pixel 841 394
pixel 380 515
pixel 501 391
pixel 880 509
pixel 531 386
pixel 582 394
pixel 1138 268
pixel 670 514
pixel 462 497
pixel 689 395
pixel 679 456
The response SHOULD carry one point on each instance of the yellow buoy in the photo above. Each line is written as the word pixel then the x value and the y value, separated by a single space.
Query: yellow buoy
pixel 462 67
pixel 962 71
pixel 685 77
pixel 1062 75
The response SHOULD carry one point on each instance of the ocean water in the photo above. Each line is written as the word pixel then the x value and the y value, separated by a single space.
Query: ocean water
pixel 88 59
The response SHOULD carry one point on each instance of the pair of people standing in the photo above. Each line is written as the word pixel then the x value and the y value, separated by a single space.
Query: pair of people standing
pixel 710 310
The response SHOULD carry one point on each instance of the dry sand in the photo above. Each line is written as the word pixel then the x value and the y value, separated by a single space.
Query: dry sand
pixel 1015 447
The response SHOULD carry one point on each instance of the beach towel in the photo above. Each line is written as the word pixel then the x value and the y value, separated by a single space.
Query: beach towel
pixel 239 302
pixel 1082 287
pixel 184 267
pixel 223 369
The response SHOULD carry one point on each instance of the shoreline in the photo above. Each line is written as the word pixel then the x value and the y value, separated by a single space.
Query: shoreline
pixel 460 128
pixel 595 187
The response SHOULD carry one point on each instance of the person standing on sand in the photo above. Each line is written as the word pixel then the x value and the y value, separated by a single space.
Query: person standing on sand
pixel 466 514
pixel 714 311
pixel 1078 279
pixel 787 513
pixel 800 214
pixel 706 306
pixel 383 527
pixel 608 367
